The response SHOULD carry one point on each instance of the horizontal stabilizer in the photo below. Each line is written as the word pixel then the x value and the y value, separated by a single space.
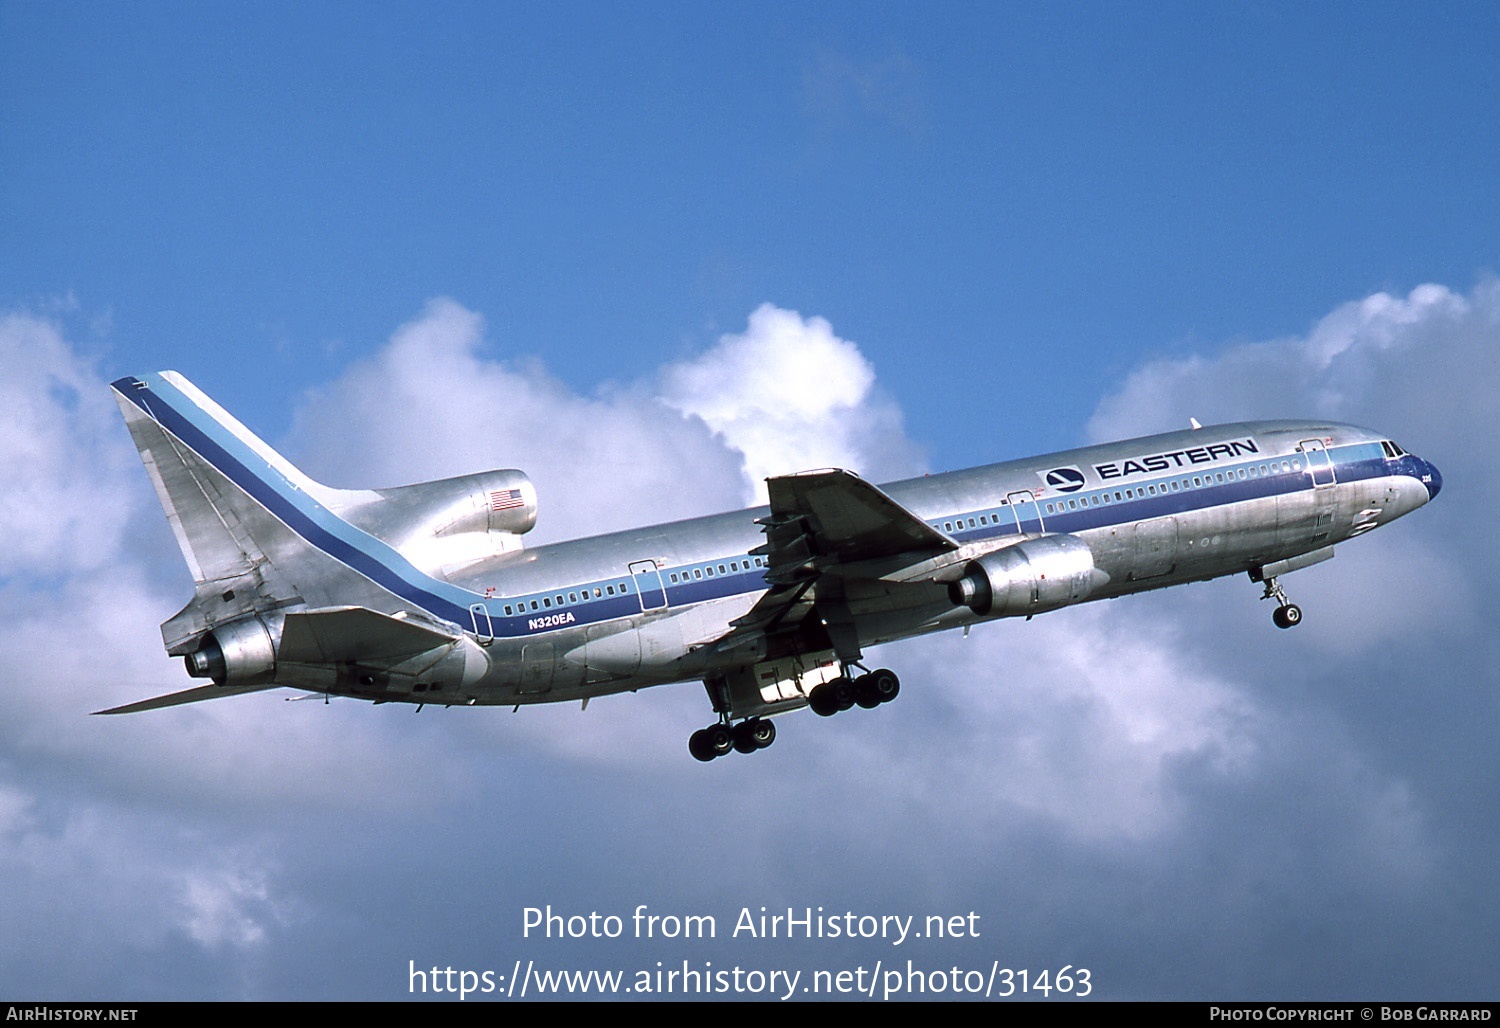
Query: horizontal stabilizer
pixel 338 634
pixel 197 695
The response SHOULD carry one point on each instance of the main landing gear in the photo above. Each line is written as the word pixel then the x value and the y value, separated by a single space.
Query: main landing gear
pixel 1288 613
pixel 751 734
pixel 756 733
pixel 868 690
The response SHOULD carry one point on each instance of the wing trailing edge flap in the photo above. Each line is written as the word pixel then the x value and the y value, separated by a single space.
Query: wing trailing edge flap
pixel 833 522
pixel 841 519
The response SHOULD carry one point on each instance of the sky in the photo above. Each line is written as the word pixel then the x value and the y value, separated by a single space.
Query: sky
pixel 651 254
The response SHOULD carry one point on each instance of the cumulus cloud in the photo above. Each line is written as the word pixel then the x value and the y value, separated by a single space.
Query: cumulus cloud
pixel 62 464
pixel 790 395
pixel 431 404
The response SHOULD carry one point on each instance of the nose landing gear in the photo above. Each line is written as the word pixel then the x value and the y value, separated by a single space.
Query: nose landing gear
pixel 1287 613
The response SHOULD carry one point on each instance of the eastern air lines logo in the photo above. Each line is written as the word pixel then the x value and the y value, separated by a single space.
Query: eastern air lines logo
pixel 1064 480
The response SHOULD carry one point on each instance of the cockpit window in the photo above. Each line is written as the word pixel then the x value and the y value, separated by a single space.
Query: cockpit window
pixel 1392 450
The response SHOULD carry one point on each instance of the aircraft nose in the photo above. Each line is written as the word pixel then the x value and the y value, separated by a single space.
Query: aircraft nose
pixel 1432 478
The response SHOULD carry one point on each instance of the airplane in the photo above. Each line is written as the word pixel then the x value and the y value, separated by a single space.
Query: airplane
pixel 425 594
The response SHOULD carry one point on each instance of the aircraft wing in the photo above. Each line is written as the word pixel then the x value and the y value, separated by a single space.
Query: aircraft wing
pixel 831 523
pixel 821 519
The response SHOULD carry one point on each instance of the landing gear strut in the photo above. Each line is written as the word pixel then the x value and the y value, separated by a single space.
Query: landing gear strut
pixel 1287 613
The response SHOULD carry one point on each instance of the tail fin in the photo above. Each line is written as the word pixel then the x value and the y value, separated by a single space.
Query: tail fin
pixel 174 426
pixel 221 487
pixel 296 583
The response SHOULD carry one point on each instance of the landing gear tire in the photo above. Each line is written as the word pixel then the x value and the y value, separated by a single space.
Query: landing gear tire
pixel 765 733
pixel 831 697
pixel 718 739
pixel 1287 615
pixel 875 688
pixel 699 747
pixel 753 734
pixel 884 684
pixel 822 701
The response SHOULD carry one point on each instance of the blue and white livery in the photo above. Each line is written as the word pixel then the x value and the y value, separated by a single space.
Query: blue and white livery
pixel 425 594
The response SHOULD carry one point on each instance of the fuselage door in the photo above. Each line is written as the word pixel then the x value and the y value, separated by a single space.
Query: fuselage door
pixel 484 630
pixel 1028 513
pixel 648 587
pixel 1318 462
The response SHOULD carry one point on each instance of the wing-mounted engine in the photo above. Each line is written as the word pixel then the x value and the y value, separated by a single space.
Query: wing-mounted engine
pixel 445 526
pixel 1028 577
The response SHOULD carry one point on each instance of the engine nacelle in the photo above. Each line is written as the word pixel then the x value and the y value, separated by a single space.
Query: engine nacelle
pixel 445 526
pixel 237 653
pixel 491 501
pixel 1030 577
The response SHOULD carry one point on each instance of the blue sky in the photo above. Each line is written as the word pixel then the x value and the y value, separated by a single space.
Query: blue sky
pixel 647 253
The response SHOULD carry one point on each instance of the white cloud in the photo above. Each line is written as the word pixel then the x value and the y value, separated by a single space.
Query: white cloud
pixel 790 395
pixel 429 404
pixel 1418 362
pixel 227 907
pixel 64 462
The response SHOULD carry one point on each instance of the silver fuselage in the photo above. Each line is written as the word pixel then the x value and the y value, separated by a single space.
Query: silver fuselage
pixel 570 620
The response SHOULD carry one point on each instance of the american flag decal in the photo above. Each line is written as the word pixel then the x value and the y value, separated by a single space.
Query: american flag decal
pixel 506 499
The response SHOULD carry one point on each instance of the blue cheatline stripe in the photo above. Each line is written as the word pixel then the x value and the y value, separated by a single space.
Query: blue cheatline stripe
pixel 310 520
